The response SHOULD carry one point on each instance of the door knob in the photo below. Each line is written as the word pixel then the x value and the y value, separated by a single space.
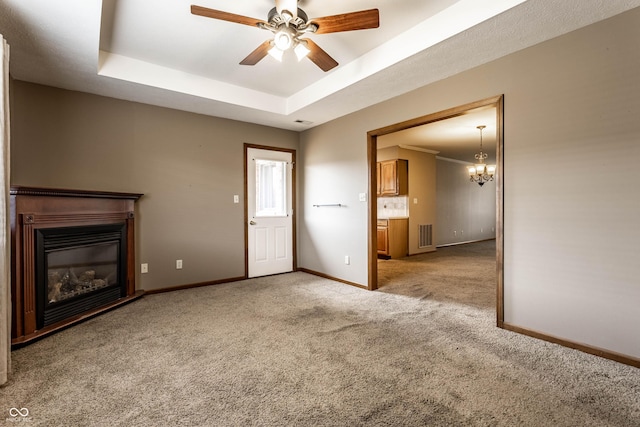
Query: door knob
pixel 252 223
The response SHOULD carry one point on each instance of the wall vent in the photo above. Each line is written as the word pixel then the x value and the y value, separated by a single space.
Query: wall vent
pixel 425 235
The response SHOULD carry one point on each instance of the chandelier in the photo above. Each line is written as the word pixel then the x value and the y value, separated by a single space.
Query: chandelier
pixel 480 172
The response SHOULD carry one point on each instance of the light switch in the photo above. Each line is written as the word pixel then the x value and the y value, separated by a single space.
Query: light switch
pixel 362 197
pixel 236 198
pixel 415 200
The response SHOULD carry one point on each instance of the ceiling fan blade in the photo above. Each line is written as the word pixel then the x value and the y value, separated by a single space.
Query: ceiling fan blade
pixel 361 20
pixel 254 57
pixel 224 16
pixel 320 57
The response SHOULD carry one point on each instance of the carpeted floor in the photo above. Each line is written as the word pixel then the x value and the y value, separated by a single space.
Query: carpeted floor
pixel 298 350
pixel 464 274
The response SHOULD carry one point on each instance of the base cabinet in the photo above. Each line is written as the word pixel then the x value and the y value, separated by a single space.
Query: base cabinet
pixel 393 237
pixel 383 239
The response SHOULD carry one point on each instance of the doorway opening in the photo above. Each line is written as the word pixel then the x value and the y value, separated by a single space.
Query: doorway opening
pixel 438 119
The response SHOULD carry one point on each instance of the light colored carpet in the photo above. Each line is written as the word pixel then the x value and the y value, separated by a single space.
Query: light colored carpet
pixel 298 350
pixel 464 274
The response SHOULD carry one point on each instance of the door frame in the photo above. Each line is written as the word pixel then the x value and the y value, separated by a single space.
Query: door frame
pixel 294 205
pixel 372 139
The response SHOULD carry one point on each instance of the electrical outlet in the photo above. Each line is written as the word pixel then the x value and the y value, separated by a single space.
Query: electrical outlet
pixel 362 197
pixel 347 260
pixel 178 264
pixel 415 200
pixel 144 268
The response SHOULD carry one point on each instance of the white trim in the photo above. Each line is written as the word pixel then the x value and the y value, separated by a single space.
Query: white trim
pixel 446 159
pixel 5 230
pixel 423 150
pixel 465 242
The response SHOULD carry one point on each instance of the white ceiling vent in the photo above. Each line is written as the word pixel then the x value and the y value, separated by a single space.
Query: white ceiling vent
pixel 304 122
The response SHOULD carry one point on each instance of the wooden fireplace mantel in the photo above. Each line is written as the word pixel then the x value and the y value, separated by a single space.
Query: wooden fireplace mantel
pixel 60 192
pixel 34 208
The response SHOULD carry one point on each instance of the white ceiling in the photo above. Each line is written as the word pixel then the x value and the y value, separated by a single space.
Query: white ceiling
pixel 157 52
pixel 456 138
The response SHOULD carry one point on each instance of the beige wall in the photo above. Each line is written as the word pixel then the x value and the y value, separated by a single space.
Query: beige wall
pixel 466 211
pixel 188 166
pixel 422 188
pixel 571 109
pixel 422 195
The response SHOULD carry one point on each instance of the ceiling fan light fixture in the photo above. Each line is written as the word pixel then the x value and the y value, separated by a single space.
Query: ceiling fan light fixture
pixel 283 40
pixel 301 50
pixel 276 53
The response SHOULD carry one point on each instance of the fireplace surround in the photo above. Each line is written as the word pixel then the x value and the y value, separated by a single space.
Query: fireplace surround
pixel 73 257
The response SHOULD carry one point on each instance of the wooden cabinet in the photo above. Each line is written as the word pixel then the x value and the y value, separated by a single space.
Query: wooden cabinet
pixel 383 238
pixel 393 177
pixel 393 237
pixel 378 178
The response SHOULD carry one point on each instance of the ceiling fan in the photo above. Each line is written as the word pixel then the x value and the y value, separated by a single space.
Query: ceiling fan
pixel 289 23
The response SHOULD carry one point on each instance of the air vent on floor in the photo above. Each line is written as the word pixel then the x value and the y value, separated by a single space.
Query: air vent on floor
pixel 425 235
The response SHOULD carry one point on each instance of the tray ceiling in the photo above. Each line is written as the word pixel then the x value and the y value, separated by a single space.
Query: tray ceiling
pixel 159 53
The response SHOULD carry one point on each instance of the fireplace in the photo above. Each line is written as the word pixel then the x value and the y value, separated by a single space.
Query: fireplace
pixel 78 269
pixel 73 255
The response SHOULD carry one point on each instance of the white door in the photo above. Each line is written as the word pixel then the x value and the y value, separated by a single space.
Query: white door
pixel 269 212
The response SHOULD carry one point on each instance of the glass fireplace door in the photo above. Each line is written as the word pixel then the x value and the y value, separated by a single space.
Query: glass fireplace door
pixel 78 269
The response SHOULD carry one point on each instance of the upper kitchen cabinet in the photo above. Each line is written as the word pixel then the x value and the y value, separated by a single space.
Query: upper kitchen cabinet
pixel 393 177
